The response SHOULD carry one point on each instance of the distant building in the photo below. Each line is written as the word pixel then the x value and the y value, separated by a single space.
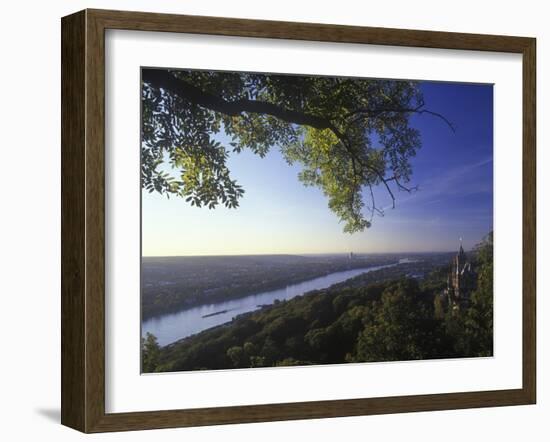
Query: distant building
pixel 351 255
pixel 461 280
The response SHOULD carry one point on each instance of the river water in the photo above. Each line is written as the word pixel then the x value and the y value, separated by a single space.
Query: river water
pixel 174 326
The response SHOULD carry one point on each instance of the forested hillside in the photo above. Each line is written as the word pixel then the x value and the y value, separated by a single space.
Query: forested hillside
pixel 397 320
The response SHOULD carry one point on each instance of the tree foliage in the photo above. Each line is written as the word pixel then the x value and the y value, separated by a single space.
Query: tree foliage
pixel 349 135
pixel 150 353
pixel 392 321
pixel 402 327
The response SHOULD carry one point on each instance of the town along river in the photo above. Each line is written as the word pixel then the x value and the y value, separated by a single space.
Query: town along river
pixel 175 326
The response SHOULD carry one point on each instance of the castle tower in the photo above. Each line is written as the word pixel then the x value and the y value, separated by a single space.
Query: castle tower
pixel 461 279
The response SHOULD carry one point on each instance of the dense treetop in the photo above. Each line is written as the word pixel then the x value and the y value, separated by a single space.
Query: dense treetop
pixel 347 134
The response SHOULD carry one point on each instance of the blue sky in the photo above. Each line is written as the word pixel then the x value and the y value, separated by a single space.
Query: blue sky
pixel 277 214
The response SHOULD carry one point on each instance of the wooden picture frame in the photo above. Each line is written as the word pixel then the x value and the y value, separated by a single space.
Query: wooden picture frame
pixel 83 220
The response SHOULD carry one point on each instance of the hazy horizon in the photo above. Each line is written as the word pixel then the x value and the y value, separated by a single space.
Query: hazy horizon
pixel 309 254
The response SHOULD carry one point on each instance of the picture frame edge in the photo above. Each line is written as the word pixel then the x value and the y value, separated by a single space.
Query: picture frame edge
pixel 83 221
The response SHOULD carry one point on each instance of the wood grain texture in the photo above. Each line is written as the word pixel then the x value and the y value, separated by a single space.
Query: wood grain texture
pixel 73 257
pixel 143 21
pixel 95 222
pixel 83 220
pixel 529 221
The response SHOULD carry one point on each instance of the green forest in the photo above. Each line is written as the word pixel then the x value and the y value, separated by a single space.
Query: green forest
pixel 396 320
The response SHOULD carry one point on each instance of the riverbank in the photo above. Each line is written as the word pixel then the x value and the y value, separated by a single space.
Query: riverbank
pixel 170 285
pixel 180 325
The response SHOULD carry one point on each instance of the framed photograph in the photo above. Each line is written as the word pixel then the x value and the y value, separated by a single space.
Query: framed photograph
pixel 267 221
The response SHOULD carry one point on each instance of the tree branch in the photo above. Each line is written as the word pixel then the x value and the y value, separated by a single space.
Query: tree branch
pixel 401 186
pixel 414 110
pixel 162 79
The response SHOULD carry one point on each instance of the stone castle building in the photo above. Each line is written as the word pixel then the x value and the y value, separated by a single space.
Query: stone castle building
pixel 461 280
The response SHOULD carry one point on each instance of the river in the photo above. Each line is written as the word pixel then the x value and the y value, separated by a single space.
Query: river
pixel 172 327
